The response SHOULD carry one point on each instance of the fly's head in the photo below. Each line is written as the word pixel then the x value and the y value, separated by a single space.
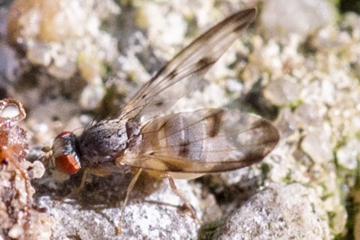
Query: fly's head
pixel 65 155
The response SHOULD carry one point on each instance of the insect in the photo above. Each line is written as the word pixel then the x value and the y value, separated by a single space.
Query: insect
pixel 179 145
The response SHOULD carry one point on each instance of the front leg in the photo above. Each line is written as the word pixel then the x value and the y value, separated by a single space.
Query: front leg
pixel 101 172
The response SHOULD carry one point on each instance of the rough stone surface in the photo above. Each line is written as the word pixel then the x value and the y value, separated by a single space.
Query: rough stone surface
pixel 278 212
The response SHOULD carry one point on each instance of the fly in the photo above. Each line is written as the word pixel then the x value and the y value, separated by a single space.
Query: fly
pixel 180 145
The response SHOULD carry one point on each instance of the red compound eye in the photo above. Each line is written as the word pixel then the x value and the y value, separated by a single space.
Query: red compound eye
pixel 65 156
pixel 67 164
pixel 65 134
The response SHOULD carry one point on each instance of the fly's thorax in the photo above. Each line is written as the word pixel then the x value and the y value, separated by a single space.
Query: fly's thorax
pixel 107 140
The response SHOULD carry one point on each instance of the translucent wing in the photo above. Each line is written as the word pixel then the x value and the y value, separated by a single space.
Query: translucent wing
pixel 203 141
pixel 165 88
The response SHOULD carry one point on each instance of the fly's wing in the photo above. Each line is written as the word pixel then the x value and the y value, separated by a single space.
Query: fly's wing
pixel 165 88
pixel 203 141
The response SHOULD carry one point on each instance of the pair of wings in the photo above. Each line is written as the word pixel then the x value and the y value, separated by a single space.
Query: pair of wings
pixel 203 141
pixel 216 140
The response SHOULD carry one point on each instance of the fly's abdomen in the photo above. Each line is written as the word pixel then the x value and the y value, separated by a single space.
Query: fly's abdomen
pixel 181 137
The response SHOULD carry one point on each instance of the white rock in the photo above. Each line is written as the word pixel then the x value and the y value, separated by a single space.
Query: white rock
pixel 282 91
pixel 278 212
pixel 317 145
pixel 282 17
pixel 347 156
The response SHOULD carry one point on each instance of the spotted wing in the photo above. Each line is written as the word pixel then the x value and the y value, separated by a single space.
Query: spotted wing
pixel 165 88
pixel 203 141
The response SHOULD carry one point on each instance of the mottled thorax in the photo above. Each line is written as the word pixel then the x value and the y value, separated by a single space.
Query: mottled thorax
pixel 103 142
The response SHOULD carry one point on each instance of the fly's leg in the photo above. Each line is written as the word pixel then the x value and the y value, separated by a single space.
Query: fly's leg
pixel 181 196
pixel 129 189
pixel 74 192
pixel 87 171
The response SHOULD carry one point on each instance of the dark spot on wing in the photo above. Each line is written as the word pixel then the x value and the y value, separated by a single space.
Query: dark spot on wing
pixel 184 148
pixel 172 167
pixel 143 96
pixel 205 62
pixel 214 120
pixel 163 124
pixel 260 123
pixel 265 133
pixel 159 103
pixel 173 74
